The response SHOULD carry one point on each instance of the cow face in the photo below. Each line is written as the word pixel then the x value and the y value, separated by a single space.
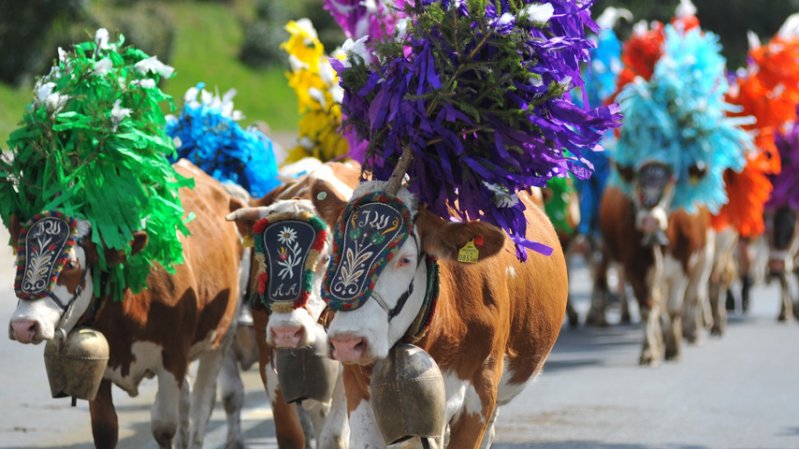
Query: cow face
pixel 54 282
pixel 652 193
pixel 53 285
pixel 378 280
pixel 783 241
pixel 292 250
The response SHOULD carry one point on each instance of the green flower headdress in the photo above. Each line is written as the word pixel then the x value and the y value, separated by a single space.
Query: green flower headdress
pixel 92 145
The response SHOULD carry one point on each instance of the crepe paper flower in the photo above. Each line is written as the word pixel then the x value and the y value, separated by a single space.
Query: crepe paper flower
pixel 206 132
pixel 558 205
pixel 786 183
pixel 374 18
pixel 641 52
pixel 318 93
pixel 91 145
pixel 678 117
pixel 768 89
pixel 481 96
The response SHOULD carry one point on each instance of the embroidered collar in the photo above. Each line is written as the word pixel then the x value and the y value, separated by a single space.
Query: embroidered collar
pixel 288 248
pixel 42 250
pixel 367 236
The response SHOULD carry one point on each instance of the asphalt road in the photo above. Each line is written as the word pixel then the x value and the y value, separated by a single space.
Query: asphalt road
pixel 738 392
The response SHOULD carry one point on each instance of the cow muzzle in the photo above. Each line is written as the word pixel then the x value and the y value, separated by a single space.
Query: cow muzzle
pixel 288 336
pixel 349 349
pixel 25 331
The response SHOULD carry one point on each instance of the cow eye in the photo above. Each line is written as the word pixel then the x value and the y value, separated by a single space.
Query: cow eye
pixel 697 171
pixel 72 264
pixel 403 261
pixel 625 172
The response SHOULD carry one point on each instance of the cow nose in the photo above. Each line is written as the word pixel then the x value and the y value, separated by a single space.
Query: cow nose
pixel 24 331
pixel 348 348
pixel 287 336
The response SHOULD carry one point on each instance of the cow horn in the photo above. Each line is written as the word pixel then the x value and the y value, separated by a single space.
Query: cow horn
pixel 245 213
pixel 395 181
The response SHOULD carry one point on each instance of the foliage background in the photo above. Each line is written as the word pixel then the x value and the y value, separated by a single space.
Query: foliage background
pixel 233 43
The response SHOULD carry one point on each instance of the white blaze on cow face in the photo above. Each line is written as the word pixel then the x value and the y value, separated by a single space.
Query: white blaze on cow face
pixel 36 320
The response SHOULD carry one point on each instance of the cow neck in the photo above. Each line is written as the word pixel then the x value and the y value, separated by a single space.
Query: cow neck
pixel 421 323
pixel 95 305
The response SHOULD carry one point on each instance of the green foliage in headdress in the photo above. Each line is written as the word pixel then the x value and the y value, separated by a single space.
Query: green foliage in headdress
pixel 92 144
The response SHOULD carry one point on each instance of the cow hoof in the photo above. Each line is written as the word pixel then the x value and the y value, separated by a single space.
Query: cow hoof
pixel 672 355
pixel 647 359
pixel 782 317
pixel 235 445
pixel 716 331
pixel 626 319
pixel 596 321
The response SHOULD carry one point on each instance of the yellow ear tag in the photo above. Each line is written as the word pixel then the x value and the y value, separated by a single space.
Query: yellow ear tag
pixel 469 253
pixel 247 241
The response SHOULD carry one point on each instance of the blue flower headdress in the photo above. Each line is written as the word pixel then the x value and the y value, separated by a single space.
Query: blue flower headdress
pixel 206 132
pixel 478 92
pixel 679 118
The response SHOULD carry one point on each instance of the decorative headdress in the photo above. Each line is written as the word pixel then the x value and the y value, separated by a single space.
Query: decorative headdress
pixel 678 118
pixel 767 89
pixel 206 132
pixel 786 183
pixel 288 248
pixel 92 146
pixel 477 93
pixel 318 93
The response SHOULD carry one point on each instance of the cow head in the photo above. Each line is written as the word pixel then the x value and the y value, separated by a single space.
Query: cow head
pixel 54 283
pixel 292 247
pixel 382 278
pixel 783 240
pixel 652 190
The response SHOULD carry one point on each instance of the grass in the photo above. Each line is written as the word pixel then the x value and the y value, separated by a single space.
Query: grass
pixel 208 36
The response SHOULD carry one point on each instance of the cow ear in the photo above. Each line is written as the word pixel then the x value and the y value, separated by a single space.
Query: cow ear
pixel 328 202
pixel 138 242
pixel 448 240
pixel 13 226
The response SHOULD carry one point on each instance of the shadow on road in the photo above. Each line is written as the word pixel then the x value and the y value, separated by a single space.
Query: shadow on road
pixel 591 445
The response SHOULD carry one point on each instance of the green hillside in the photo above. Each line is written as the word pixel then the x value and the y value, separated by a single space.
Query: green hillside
pixel 208 36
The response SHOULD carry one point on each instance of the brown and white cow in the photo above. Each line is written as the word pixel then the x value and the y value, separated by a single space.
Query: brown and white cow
pixel 322 192
pixel 493 327
pixel 155 333
pixel 666 257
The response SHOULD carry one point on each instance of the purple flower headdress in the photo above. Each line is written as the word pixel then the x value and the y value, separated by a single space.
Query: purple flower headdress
pixel 373 18
pixel 478 92
pixel 786 183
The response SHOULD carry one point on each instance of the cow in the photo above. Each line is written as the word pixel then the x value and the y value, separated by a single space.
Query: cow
pixel 783 251
pixel 141 329
pixel 322 192
pixel 666 256
pixel 492 328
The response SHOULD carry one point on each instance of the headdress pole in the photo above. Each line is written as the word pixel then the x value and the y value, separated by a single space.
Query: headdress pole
pixel 404 162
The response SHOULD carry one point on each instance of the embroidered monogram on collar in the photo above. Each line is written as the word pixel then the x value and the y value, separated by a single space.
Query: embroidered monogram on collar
pixel 42 249
pixel 366 238
pixel 288 247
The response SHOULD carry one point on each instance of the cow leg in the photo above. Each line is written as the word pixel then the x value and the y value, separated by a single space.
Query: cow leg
pixel 232 390
pixel 599 295
pixel 105 424
pixel 488 438
pixel 204 391
pixel 786 300
pixel 184 408
pixel 718 309
pixel 164 414
pixel 336 433
pixel 624 302
pixel 480 402
pixel 650 303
